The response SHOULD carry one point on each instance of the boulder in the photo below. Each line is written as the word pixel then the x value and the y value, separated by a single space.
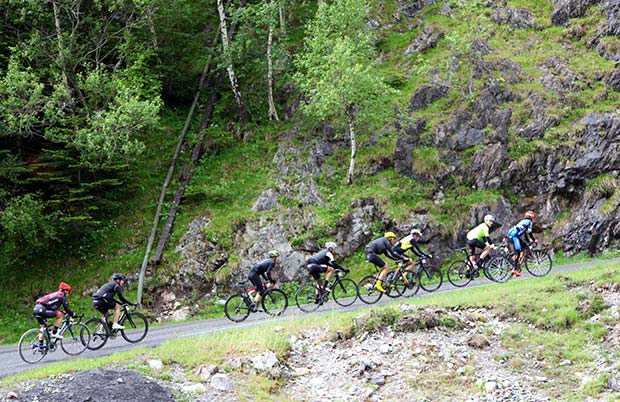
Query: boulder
pixel 565 9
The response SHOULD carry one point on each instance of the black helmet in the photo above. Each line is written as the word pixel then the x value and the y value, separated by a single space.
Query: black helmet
pixel 118 276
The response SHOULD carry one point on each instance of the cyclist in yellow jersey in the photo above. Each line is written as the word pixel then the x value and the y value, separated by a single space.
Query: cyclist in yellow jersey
pixel 480 237
pixel 410 243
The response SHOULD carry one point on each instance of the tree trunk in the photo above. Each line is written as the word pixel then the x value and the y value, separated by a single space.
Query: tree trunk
pixel 154 40
pixel 273 113
pixel 282 18
pixel 241 109
pixel 351 120
pixel 61 48
pixel 187 170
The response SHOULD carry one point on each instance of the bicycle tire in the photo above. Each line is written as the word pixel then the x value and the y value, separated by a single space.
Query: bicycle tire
pixel 459 274
pixel 99 333
pixel 275 302
pixel 236 309
pixel 430 279
pixel 345 292
pixel 75 340
pixel 407 284
pixel 28 346
pixel 307 298
pixel 367 291
pixel 538 262
pixel 389 284
pixel 136 327
pixel 498 269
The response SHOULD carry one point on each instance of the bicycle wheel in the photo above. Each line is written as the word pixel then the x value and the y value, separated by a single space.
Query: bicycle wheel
pixel 407 283
pixel 367 291
pixel 498 269
pixel 30 349
pixel 99 333
pixel 307 298
pixel 136 327
pixel 459 274
pixel 236 308
pixel 430 279
pixel 389 284
pixel 275 302
pixel 75 339
pixel 538 262
pixel 345 292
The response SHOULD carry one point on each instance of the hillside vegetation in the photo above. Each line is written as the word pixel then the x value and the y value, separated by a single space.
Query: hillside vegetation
pixel 484 107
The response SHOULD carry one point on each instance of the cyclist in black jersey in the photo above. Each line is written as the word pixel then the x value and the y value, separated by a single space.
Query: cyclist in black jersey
pixel 103 299
pixel 324 261
pixel 410 243
pixel 382 245
pixel 263 269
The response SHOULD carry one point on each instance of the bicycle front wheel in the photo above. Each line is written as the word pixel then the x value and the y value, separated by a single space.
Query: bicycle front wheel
pixel 430 278
pixel 538 262
pixel 99 333
pixel 459 274
pixel 367 291
pixel 236 308
pixel 406 283
pixel 136 327
pixel 275 302
pixel 75 339
pixel 345 292
pixel 498 269
pixel 31 350
pixel 307 298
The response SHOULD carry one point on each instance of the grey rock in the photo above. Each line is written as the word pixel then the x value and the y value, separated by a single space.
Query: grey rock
pixel 405 144
pixel 221 382
pixel 565 9
pixel 426 39
pixel 515 17
pixel 426 95
pixel 410 8
pixel 266 201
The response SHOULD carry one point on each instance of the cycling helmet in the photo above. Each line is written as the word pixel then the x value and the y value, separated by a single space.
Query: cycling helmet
pixel 415 232
pixel 64 286
pixel 330 244
pixel 389 235
pixel 274 253
pixel 118 276
pixel 489 219
pixel 530 215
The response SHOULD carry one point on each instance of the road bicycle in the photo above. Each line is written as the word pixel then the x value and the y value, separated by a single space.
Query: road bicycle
pixel 460 273
pixel 398 282
pixel 311 296
pixel 135 323
pixel 239 306
pixel 73 338
pixel 430 278
pixel 536 261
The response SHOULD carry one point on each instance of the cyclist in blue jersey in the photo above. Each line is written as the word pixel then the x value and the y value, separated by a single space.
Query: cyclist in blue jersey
pixel 263 269
pixel 518 233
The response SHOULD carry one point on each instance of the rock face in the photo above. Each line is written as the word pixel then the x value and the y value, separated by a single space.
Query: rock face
pixel 514 17
pixel 427 39
pixel 565 9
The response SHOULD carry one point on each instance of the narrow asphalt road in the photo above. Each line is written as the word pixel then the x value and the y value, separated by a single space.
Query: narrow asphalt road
pixel 13 364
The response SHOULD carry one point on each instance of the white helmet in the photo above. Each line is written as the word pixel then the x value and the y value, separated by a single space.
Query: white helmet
pixel 415 232
pixel 330 244
pixel 489 219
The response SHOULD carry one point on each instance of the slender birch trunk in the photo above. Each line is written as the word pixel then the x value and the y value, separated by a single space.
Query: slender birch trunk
pixel 273 113
pixel 351 119
pixel 282 17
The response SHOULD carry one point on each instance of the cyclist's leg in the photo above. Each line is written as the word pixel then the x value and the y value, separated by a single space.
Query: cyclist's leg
pixel 379 263
pixel 472 250
pixel 254 278
pixel 42 314
pixel 517 256
pixel 58 321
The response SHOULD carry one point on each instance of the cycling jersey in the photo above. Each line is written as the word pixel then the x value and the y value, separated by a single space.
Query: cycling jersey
pixel 53 301
pixel 379 246
pixel 480 232
pixel 108 291
pixel 524 227
pixel 323 257
pixel 264 268
pixel 408 243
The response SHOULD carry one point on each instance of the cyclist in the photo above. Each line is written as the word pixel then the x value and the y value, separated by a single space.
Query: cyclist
pixel 49 305
pixel 382 245
pixel 103 299
pixel 479 237
pixel 410 243
pixel 263 269
pixel 324 261
pixel 516 234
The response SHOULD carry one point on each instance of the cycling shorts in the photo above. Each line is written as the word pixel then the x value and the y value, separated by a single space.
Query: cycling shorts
pixel 41 313
pixel 374 258
pixel 254 277
pixel 316 270
pixel 103 305
pixel 475 243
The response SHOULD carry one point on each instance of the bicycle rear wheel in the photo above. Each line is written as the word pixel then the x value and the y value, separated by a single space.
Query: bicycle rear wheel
pixel 367 291
pixel 389 284
pixel 136 327
pixel 30 349
pixel 275 302
pixel 236 308
pixel 430 279
pixel 407 283
pixel 459 274
pixel 307 298
pixel 538 262
pixel 75 339
pixel 99 333
pixel 344 292
pixel 498 269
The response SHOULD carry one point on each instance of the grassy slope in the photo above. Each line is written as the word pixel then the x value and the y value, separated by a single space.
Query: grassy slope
pixel 230 178
pixel 548 317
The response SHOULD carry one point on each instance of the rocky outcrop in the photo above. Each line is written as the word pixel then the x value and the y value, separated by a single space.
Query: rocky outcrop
pixel 515 17
pixel 558 78
pixel 407 140
pixel 565 9
pixel 426 39
pixel 355 230
pixel 426 95
pixel 410 8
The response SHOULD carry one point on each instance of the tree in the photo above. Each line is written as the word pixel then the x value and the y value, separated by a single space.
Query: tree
pixel 337 72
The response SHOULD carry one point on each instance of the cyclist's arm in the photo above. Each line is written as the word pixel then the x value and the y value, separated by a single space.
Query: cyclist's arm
pixel 119 293
pixel 418 251
pixel 267 275
pixel 65 305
